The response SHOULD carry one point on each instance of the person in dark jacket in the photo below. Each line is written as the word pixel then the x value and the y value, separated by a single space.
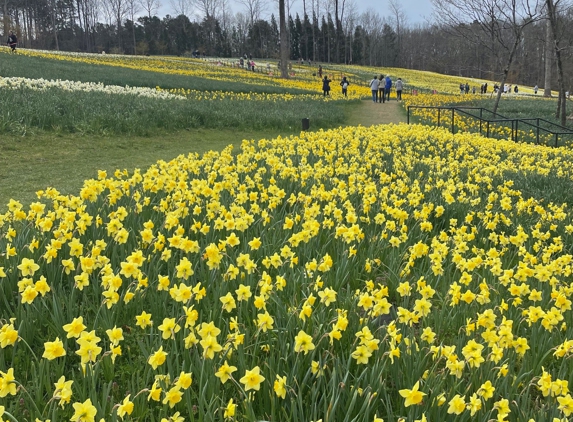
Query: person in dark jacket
pixel 326 86
pixel 12 41
pixel 388 87
pixel 344 84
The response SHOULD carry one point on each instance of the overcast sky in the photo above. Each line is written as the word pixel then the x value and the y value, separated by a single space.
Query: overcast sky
pixel 416 11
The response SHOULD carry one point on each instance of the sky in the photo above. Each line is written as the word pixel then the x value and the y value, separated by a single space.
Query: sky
pixel 417 11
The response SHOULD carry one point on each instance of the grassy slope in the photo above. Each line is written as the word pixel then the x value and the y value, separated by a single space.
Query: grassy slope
pixel 36 68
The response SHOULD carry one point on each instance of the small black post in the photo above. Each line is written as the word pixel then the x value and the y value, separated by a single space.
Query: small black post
pixel 305 123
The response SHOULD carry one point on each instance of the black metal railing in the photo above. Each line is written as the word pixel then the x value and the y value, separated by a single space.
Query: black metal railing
pixel 488 119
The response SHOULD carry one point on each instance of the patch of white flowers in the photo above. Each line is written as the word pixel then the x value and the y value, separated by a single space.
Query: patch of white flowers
pixel 73 86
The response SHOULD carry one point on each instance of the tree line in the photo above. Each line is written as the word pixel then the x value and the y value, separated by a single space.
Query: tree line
pixel 327 31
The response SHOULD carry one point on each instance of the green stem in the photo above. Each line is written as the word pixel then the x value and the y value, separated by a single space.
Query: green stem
pixel 10 416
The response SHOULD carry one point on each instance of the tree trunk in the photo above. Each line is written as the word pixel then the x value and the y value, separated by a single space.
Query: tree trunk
pixel 506 71
pixel 337 32
pixel 562 102
pixel 548 60
pixel 53 16
pixel 6 23
pixel 284 40
pixel 133 31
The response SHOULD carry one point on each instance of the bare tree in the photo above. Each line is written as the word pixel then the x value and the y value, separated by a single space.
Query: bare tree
pixel 493 25
pixel 372 24
pixel 289 4
pixel 315 5
pixel 552 6
pixel 181 7
pixel 399 19
pixel 53 12
pixel 209 8
pixel 225 15
pixel 284 39
pixel 548 59
pixel 348 25
pixel 253 8
pixel 132 7
pixel 150 6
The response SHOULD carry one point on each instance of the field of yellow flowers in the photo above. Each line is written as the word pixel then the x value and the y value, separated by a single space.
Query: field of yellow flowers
pixel 359 274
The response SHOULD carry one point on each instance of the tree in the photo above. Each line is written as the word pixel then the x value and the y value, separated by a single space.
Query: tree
pixel 150 6
pixel 132 9
pixel 399 19
pixel 209 8
pixel 390 42
pixel 493 25
pixel 254 9
pixel 284 42
pixel 119 9
pixel 552 6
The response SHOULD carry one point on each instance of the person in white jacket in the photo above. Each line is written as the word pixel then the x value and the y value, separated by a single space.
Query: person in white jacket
pixel 399 87
pixel 374 88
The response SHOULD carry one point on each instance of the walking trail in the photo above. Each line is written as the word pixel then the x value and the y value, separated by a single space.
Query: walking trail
pixel 368 113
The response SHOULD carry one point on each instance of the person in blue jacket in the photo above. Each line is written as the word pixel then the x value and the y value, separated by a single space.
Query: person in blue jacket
pixel 388 87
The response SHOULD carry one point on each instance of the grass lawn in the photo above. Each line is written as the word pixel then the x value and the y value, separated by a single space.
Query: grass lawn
pixel 31 163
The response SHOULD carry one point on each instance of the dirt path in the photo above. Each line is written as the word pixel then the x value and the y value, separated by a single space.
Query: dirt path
pixel 368 113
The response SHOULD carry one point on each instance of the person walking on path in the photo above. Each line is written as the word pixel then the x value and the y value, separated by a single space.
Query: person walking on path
pixel 388 87
pixel 374 87
pixel 12 41
pixel 399 87
pixel 344 84
pixel 326 86
pixel 381 95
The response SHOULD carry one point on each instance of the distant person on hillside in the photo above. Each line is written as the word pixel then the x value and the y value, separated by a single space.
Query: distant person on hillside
pixel 320 72
pixel 515 89
pixel 535 89
pixel 399 87
pixel 326 86
pixel 252 65
pixel 467 88
pixel 374 88
pixel 485 88
pixel 388 87
pixel 12 41
pixel 462 88
pixel 344 84
pixel 381 86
